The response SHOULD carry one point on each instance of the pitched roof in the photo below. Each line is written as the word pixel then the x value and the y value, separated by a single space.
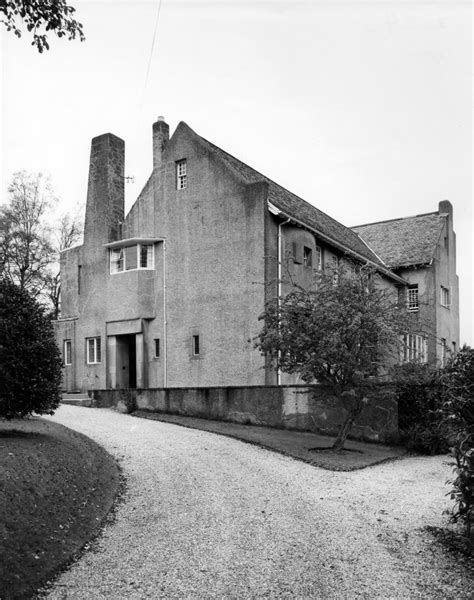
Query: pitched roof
pixel 302 211
pixel 404 242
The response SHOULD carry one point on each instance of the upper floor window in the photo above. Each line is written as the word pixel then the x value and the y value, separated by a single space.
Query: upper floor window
pixel 67 352
pixel 319 258
pixel 415 349
pixel 128 258
pixel 157 347
pixel 412 298
pixel 181 174
pixel 196 345
pixel 93 351
pixel 445 297
pixel 335 270
pixel 443 352
pixel 307 257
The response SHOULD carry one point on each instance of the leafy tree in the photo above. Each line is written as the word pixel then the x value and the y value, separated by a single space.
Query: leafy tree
pixel 30 240
pixel 458 410
pixel 340 334
pixel 30 362
pixel 39 17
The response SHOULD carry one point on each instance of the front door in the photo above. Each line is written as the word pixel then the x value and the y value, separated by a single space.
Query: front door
pixel 126 361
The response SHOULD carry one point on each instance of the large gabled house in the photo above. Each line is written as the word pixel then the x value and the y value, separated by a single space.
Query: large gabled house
pixel 170 294
pixel 422 250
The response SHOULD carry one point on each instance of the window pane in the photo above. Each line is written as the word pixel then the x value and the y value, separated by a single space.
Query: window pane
pixel 116 260
pixel 130 257
pixel 195 344
pixel 90 350
pixel 97 350
pixel 146 256
pixel 157 348
pixel 67 352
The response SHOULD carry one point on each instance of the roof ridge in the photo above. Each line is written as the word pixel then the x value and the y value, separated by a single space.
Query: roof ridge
pixel 312 206
pixel 436 212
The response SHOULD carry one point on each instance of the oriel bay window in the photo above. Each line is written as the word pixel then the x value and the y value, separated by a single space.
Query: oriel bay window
pixel 131 257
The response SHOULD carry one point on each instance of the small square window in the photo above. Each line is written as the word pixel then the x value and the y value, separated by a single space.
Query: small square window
pixel 196 345
pixel 307 257
pixel 412 298
pixel 93 350
pixel 157 348
pixel 181 174
pixel 67 352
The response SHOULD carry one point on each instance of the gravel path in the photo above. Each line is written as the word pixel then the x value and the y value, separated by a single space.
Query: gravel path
pixel 206 516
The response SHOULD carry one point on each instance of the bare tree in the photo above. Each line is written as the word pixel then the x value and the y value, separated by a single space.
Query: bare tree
pixel 31 239
pixel 25 236
pixel 66 234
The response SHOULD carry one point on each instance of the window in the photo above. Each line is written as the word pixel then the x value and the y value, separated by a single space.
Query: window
pixel 67 352
pixel 196 349
pixel 445 297
pixel 307 257
pixel 454 348
pixel 415 349
pixel 412 298
pixel 319 258
pixel 181 174
pixel 335 270
pixel 157 348
pixel 443 352
pixel 93 350
pixel 79 276
pixel 131 258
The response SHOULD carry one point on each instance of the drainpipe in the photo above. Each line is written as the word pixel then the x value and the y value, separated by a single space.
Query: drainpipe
pixel 165 322
pixel 280 257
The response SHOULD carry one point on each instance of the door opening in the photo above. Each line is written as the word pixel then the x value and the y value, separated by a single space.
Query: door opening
pixel 126 361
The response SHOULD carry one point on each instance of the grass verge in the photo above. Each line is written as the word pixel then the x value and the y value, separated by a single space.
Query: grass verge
pixel 56 488
pixel 306 446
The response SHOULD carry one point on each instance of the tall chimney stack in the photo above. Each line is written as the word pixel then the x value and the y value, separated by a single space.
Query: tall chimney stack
pixel 161 135
pixel 105 193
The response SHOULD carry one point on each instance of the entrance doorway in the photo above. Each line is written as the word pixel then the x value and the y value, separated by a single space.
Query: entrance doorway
pixel 126 361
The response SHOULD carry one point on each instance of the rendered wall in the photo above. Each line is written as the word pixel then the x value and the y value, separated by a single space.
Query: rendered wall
pixel 288 407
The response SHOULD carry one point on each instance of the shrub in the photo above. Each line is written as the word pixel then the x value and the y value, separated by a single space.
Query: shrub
pixel 418 390
pixel 458 412
pixel 30 362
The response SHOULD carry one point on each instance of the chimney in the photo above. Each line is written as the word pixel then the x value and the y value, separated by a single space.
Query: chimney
pixel 161 135
pixel 446 208
pixel 105 192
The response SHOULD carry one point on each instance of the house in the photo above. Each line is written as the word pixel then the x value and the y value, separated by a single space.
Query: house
pixel 422 250
pixel 169 295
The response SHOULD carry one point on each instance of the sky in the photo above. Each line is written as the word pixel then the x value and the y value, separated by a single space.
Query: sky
pixel 362 108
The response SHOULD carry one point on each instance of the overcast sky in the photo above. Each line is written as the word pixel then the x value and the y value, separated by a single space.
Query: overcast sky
pixel 362 108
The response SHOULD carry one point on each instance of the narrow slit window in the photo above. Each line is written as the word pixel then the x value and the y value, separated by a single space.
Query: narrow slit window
pixel 157 348
pixel 67 353
pixel 196 345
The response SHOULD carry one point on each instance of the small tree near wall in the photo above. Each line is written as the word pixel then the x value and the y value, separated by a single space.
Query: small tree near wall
pixel 30 362
pixel 341 333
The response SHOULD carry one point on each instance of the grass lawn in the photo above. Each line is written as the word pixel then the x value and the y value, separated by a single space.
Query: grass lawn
pixel 56 488
pixel 306 446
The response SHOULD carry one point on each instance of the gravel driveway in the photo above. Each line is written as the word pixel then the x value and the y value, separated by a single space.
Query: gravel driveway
pixel 206 516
